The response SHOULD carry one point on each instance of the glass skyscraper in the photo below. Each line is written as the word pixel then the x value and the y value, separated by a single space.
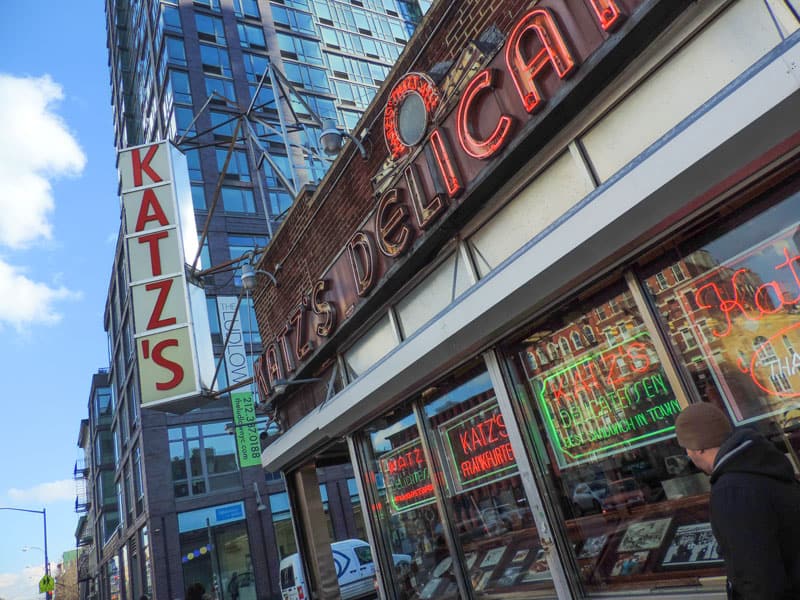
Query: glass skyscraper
pixel 168 504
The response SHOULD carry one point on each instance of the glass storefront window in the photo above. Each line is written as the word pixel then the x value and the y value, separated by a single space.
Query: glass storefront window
pixel 600 411
pixel 405 507
pixel 282 522
pixel 491 517
pixel 730 302
pixel 215 552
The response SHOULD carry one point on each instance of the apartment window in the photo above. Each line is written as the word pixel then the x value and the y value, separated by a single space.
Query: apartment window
pixel 279 202
pixel 198 196
pixel 212 4
pixel 171 18
pixel 193 162
pixel 176 51
pixel 307 77
pixel 238 169
pixel 251 36
pixel 203 459
pixel 210 29
pixel 181 91
pixel 183 120
pixel 222 124
pixel 249 323
pixel 300 49
pixel 222 87
pixel 238 200
pixel 215 60
pixel 247 8
pixel 295 20
pixel 103 406
pixel 238 244
pixel 254 67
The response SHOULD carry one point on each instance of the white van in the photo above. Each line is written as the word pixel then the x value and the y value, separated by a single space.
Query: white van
pixel 354 568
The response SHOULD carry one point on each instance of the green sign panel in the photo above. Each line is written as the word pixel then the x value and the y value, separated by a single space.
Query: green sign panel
pixel 607 402
pixel 47 584
pixel 248 445
pixel 408 480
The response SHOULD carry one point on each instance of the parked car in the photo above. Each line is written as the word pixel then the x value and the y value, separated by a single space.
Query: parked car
pixel 623 493
pixel 588 497
pixel 355 569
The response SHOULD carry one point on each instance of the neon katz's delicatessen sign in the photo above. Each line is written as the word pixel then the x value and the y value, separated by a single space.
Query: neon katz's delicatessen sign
pixel 442 143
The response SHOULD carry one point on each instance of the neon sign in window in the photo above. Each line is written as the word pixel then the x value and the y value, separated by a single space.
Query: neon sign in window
pixel 746 315
pixel 478 449
pixel 607 402
pixel 408 480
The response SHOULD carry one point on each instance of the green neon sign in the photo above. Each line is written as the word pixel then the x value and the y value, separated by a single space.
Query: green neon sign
pixel 607 402
pixel 408 480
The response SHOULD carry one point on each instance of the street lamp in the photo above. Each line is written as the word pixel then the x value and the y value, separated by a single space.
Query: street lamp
pixel 42 512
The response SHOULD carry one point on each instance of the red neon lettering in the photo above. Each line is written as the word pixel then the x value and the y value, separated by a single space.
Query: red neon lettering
pixel 155 254
pixel 141 166
pixel 163 288
pixel 323 309
pixel 447 169
pixel 394 235
pixel 425 213
pixel 554 52
pixel 608 13
pixel 150 201
pixel 487 432
pixel 477 148
pixel 159 359
pixel 790 263
pixel 362 260
pixel 409 84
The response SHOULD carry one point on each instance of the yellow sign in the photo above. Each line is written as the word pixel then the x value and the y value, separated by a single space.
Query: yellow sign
pixel 47 584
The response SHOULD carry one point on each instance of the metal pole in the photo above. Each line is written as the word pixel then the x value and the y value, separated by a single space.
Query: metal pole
pixel 42 512
pixel 46 561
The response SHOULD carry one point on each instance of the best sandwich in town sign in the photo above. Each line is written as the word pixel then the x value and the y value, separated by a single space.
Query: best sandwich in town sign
pixel 439 155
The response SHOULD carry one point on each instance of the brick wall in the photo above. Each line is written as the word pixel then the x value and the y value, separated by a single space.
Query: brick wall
pixel 322 221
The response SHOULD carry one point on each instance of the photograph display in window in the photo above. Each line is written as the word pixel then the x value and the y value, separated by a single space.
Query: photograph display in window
pixel 692 545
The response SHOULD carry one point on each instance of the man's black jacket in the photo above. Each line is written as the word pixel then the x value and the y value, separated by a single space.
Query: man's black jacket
pixel 755 516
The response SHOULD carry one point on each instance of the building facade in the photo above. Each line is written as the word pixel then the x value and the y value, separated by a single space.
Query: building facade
pixel 576 219
pixel 241 87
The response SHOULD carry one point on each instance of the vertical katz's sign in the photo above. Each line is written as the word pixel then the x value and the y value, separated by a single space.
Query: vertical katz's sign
pixel 173 338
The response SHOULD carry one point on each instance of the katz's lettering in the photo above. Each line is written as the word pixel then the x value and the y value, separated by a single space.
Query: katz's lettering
pixel 457 142
pixel 483 434
pixel 156 354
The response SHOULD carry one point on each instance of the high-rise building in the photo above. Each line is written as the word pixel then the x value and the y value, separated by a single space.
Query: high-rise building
pixel 242 87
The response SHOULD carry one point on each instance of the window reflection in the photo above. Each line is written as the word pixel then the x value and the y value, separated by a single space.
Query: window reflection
pixel 493 522
pixel 601 417
pixel 405 509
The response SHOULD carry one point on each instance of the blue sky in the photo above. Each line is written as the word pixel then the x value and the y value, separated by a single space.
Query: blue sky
pixel 59 215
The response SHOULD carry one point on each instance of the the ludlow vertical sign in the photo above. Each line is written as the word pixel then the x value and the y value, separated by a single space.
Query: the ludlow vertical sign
pixel 171 326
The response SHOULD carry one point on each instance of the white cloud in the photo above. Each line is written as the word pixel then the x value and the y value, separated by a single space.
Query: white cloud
pixel 37 147
pixel 43 493
pixel 25 302
pixel 22 585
